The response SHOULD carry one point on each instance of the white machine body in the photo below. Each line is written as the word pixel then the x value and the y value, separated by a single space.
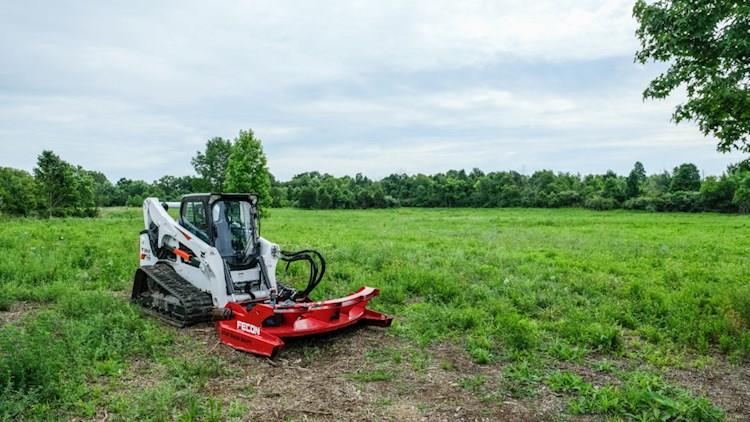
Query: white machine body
pixel 201 263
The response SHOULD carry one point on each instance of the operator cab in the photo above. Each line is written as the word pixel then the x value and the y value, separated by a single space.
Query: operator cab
pixel 229 222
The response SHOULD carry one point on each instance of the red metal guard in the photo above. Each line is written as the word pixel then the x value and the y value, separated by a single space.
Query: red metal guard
pixel 260 329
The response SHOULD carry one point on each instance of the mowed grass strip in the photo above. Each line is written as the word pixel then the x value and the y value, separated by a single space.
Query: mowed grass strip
pixel 513 287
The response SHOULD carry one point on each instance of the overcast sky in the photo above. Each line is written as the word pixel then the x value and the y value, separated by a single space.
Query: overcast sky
pixel 342 87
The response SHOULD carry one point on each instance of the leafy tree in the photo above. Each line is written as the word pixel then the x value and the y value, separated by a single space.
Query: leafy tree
pixel 658 184
pixel 613 187
pixel 57 185
pixel 684 201
pixel 17 192
pixel 742 194
pixel 738 168
pixel 247 170
pixel 212 164
pixel 717 193
pixel 685 177
pixel 279 197
pixel 171 188
pixel 635 180
pixel 706 46
pixel 308 197
pixel 85 204
pixel 131 192
pixel 325 199
pixel 104 190
pixel 568 198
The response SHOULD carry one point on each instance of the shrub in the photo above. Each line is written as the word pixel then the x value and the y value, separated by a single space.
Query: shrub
pixel 641 203
pixel 717 193
pixel 683 201
pixel 600 203
pixel 568 198
pixel 17 192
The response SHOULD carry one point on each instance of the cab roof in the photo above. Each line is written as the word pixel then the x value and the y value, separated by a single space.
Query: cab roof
pixel 216 196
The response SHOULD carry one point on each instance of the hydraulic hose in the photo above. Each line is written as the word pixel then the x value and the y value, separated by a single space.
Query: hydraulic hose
pixel 317 268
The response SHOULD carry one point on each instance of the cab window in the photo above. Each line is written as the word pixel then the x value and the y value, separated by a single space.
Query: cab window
pixel 233 225
pixel 194 219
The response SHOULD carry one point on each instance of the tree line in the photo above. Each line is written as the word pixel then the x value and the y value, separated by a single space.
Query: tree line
pixel 58 188
pixel 683 189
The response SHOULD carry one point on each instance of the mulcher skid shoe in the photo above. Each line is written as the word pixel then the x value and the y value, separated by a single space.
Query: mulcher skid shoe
pixel 260 328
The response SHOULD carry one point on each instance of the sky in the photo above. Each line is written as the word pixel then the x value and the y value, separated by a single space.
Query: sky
pixel 375 87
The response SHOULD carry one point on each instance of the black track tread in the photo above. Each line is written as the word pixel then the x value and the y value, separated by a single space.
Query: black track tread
pixel 196 304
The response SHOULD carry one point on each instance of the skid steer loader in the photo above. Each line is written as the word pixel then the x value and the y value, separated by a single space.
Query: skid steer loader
pixel 212 264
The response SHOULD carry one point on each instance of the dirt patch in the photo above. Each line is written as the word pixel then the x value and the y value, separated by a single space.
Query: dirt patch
pixel 17 311
pixel 586 371
pixel 723 383
pixel 364 373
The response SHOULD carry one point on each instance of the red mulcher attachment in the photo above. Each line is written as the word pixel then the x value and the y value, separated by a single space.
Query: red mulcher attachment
pixel 260 328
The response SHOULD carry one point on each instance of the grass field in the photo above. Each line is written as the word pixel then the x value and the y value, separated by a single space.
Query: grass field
pixel 508 314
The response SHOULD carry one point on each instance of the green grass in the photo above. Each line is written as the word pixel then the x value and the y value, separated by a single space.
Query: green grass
pixel 373 375
pixel 473 383
pixel 642 396
pixel 519 288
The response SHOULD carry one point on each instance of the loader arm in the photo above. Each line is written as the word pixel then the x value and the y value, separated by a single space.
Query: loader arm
pixel 170 233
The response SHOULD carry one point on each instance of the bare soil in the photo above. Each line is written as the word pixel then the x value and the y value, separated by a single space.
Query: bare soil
pixel 317 380
pixel 17 311
pixel 722 382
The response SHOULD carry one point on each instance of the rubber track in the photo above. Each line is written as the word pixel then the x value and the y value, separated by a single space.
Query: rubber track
pixel 195 305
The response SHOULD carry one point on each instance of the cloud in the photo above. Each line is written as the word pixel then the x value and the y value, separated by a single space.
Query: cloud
pixel 340 86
